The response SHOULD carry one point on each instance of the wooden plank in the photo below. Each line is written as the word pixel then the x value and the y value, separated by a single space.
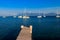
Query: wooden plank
pixel 24 34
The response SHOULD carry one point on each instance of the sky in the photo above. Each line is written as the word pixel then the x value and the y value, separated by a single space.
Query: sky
pixel 7 7
pixel 29 3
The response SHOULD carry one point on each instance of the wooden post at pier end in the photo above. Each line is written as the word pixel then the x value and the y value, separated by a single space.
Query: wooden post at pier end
pixel 31 29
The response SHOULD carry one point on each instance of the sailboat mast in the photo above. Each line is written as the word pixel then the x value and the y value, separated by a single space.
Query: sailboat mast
pixel 44 14
pixel 25 12
pixel 57 14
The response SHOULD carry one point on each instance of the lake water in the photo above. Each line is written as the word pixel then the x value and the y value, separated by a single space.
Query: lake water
pixel 43 28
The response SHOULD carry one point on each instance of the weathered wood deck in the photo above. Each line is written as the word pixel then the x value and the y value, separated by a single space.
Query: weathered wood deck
pixel 24 34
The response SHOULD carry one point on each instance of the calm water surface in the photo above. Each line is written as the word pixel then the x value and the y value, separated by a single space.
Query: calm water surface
pixel 48 27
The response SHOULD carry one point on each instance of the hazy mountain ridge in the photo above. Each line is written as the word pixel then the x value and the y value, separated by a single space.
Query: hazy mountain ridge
pixel 38 14
pixel 30 12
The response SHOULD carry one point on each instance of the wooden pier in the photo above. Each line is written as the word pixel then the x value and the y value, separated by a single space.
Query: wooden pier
pixel 25 33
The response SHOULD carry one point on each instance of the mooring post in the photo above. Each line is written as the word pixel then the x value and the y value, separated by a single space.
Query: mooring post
pixel 22 26
pixel 30 28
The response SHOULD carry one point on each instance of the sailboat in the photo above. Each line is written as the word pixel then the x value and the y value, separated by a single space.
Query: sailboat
pixel 44 15
pixel 57 15
pixel 14 16
pixel 4 16
pixel 25 14
pixel 39 16
pixel 19 16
